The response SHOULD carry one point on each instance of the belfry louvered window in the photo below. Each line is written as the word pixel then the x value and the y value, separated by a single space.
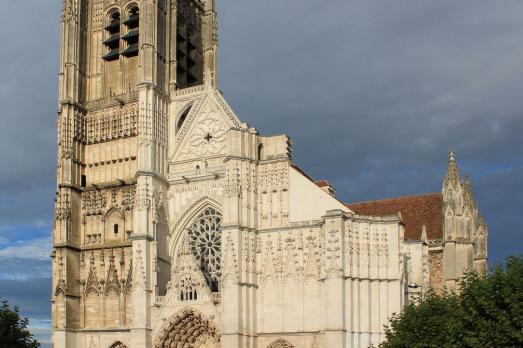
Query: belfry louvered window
pixel 133 33
pixel 113 38
pixel 189 54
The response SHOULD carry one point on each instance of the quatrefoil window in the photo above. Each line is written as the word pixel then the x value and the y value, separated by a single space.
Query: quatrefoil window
pixel 205 240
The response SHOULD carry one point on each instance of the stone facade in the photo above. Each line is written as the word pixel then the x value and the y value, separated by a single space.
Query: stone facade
pixel 177 225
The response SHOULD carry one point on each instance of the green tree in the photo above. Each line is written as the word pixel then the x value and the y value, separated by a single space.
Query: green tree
pixel 13 329
pixel 493 307
pixel 488 312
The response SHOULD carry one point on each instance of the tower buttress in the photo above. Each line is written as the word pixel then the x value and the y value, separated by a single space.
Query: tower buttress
pixel 461 228
pixel 70 170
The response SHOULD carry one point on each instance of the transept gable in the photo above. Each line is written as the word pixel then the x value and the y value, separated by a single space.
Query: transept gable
pixel 201 128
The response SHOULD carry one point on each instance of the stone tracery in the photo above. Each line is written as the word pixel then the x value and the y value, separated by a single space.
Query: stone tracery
pixel 205 240
pixel 189 329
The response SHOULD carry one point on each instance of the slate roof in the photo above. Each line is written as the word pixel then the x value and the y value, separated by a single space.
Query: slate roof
pixel 416 211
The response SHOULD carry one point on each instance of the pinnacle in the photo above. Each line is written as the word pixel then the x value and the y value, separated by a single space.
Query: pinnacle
pixel 453 175
pixel 452 155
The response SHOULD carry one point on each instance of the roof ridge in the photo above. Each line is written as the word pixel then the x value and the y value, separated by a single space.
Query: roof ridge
pixel 394 198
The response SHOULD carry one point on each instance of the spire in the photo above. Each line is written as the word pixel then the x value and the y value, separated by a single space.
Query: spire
pixel 452 177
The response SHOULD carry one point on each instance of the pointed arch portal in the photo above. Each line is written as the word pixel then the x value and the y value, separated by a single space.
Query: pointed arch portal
pixel 189 330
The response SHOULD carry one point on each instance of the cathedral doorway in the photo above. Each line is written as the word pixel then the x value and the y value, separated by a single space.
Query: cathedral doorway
pixel 189 329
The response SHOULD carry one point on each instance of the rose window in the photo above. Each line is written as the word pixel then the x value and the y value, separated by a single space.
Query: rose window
pixel 205 239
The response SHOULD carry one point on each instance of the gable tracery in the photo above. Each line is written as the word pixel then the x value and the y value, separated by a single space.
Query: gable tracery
pixel 192 111
pixel 207 138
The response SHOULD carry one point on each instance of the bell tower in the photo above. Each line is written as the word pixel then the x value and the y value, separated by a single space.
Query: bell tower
pixel 121 61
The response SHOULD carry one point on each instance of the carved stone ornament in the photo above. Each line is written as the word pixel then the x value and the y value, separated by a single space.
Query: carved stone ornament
pixel 189 329
pixel 207 138
pixel 205 240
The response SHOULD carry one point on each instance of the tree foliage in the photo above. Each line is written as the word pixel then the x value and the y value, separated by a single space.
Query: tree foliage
pixel 13 329
pixel 488 312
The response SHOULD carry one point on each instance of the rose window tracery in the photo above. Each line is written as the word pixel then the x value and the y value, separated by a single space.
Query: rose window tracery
pixel 205 240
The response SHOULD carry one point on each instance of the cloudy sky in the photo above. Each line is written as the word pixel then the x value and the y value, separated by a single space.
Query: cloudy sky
pixel 373 93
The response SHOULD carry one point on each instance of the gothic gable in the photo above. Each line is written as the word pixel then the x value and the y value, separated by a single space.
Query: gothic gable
pixel 201 129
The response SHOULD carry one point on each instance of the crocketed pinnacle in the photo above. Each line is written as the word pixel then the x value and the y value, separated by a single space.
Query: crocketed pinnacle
pixel 467 190
pixel 453 175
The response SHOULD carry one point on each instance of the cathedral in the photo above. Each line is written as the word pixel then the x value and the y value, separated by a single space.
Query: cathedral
pixel 177 225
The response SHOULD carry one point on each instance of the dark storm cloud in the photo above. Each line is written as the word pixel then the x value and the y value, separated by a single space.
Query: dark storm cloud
pixel 29 36
pixel 32 296
pixel 379 93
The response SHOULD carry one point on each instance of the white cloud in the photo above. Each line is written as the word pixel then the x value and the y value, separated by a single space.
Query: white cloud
pixel 35 249
pixel 41 329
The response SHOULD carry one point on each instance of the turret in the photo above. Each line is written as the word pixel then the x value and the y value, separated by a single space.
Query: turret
pixel 460 226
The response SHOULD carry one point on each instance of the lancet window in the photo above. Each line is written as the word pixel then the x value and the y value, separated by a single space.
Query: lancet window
pixel 205 240
pixel 188 288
